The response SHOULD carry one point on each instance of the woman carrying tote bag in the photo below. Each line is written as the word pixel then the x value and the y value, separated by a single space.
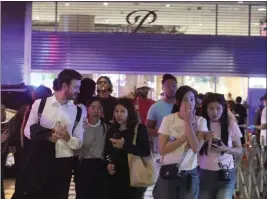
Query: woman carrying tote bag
pixel 119 145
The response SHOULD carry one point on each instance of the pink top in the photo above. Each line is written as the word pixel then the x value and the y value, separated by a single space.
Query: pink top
pixel 210 162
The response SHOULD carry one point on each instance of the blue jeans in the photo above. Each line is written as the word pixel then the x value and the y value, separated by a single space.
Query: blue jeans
pixel 170 189
pixel 212 188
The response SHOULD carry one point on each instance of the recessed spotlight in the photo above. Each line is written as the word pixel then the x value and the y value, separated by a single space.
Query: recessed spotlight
pixel 255 24
pixel 37 17
pixel 167 5
pixel 67 4
pixel 235 8
pixel 261 9
pixel 105 3
pixel 107 20
pixel 200 24
pixel 240 2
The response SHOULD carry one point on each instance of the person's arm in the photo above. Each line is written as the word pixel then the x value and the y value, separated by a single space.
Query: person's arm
pixel 142 144
pixel 261 127
pixel 25 118
pixel 195 142
pixel 151 122
pixel 76 140
pixel 151 128
pixel 237 149
pixel 33 118
pixel 263 120
pixel 165 146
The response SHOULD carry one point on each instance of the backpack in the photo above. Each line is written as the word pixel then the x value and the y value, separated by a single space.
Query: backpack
pixel 39 159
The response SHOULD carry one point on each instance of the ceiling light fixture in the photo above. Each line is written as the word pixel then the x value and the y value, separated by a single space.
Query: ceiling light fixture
pixel 240 2
pixel 67 4
pixel 200 24
pixel 167 5
pixel 105 3
pixel 37 17
pixel 261 9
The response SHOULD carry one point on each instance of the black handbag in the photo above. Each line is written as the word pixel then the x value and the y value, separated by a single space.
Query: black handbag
pixel 225 175
pixel 172 171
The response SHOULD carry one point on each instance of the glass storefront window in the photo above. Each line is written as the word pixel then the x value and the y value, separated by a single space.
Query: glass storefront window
pixel 202 84
pixel 128 84
pixel 45 79
pixel 237 86
pixel 257 82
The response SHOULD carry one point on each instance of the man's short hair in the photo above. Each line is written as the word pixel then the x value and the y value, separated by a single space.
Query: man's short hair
pixel 66 76
pixel 166 77
pixel 238 99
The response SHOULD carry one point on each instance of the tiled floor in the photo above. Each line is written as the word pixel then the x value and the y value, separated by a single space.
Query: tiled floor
pixel 9 190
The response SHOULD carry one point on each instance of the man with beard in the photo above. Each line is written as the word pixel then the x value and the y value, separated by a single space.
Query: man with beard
pixel 161 108
pixel 141 102
pixel 104 90
pixel 63 135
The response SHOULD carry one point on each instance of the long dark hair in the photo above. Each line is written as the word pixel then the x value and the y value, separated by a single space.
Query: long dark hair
pixel 87 90
pixel 224 120
pixel 132 119
pixel 180 93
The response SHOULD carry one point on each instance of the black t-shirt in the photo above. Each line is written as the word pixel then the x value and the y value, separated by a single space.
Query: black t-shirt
pixel 108 106
pixel 242 112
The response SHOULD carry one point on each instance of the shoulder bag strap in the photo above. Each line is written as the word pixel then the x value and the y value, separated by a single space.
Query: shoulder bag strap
pixel 78 117
pixel 135 133
pixel 187 146
pixel 41 109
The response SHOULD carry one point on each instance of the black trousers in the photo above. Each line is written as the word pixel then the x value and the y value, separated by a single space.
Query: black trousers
pixel 56 184
pixel 91 179
pixel 119 187
pixel 3 159
pixel 59 180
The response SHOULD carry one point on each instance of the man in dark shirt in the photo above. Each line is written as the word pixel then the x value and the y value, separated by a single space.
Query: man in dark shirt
pixel 104 90
pixel 241 111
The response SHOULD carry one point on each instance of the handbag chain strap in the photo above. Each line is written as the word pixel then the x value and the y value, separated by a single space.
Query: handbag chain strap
pixel 187 145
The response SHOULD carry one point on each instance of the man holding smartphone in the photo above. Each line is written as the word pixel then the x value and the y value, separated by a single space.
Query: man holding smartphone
pixel 59 115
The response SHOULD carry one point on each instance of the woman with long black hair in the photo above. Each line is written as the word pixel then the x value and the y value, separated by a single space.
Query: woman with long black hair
pixel 119 145
pixel 181 135
pixel 217 168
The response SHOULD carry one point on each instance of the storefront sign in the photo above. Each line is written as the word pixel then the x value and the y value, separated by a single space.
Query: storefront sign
pixel 139 19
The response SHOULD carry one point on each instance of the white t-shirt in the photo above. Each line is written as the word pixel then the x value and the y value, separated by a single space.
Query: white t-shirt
pixel 263 121
pixel 173 126
pixel 210 161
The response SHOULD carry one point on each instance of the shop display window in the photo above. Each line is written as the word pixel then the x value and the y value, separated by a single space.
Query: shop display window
pixel 202 84
pixel 257 82
pixel 40 78
pixel 237 86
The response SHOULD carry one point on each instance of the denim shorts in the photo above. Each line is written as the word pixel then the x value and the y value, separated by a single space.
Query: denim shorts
pixel 212 188
pixel 170 189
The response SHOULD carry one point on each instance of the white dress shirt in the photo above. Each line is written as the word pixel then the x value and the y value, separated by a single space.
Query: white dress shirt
pixel 52 113
pixel 263 131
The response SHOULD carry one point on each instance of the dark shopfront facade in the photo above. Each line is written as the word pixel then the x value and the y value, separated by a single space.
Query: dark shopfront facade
pixel 205 44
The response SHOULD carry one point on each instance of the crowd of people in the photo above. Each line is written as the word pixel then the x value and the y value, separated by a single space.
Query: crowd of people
pixel 81 130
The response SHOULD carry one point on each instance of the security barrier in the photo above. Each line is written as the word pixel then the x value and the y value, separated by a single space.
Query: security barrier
pixel 251 182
